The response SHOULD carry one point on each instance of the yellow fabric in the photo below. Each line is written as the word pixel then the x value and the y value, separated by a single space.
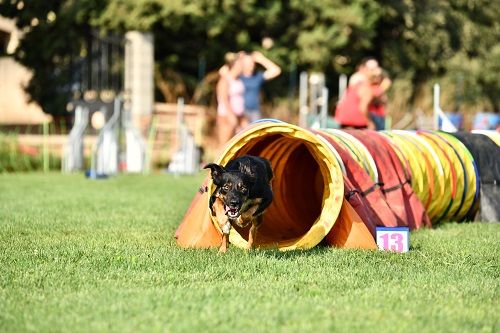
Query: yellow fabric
pixel 469 176
pixel 457 183
pixel 438 203
pixel 430 168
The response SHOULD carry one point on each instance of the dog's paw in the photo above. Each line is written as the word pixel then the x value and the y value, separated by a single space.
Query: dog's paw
pixel 222 250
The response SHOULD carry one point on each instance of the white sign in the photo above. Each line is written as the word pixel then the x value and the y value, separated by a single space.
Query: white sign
pixel 393 239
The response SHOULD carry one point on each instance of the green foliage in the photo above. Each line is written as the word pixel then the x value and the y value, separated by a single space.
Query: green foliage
pixel 14 159
pixel 305 33
pixel 84 255
pixel 454 42
pixel 55 31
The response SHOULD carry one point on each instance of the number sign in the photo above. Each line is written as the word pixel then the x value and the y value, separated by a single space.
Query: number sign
pixel 393 239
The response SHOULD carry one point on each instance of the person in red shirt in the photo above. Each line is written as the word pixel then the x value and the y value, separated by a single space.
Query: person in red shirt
pixel 352 109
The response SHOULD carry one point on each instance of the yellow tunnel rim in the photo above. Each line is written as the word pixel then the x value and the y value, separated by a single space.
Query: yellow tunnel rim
pixel 330 168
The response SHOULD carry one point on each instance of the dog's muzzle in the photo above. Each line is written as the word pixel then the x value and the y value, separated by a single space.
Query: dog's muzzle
pixel 232 212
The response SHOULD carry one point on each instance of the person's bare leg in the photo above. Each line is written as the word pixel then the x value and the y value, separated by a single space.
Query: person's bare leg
pixel 224 132
pixel 225 128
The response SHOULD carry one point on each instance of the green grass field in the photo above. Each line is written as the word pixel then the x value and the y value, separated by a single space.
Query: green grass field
pixel 78 255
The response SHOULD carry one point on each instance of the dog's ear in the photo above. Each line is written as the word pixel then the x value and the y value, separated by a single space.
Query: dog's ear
pixel 216 171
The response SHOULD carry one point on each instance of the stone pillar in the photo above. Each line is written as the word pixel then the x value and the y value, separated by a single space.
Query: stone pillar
pixel 139 82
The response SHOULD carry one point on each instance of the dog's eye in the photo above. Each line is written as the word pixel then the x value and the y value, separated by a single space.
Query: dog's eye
pixel 226 187
pixel 242 188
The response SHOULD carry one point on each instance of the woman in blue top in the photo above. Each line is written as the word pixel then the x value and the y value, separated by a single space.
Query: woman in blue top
pixel 253 80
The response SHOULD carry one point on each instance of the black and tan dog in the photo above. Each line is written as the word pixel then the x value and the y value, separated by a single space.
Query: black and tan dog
pixel 242 194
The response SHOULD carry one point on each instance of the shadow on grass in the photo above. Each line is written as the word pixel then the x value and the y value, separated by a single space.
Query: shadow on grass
pixel 416 247
pixel 447 224
pixel 319 250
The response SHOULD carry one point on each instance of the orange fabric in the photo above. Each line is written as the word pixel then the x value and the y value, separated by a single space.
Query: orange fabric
pixel 196 228
pixel 350 231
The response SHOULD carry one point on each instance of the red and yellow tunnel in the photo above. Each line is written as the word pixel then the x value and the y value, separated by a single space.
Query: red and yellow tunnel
pixel 335 187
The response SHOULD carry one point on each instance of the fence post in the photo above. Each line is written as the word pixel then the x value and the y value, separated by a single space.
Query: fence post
pixel 303 109
pixel 324 108
pixel 45 146
pixel 151 142
pixel 342 85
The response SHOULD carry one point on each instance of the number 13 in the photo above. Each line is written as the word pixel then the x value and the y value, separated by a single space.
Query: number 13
pixel 397 242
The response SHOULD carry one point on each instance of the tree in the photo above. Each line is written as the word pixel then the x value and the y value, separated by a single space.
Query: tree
pixel 419 42
pixel 320 35
pixel 454 42
pixel 54 33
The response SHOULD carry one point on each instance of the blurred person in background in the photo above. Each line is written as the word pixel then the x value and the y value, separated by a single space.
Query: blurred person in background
pixel 230 98
pixel 379 83
pixel 352 109
pixel 363 70
pixel 253 81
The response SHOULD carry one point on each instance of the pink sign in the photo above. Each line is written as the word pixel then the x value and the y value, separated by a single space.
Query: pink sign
pixel 393 239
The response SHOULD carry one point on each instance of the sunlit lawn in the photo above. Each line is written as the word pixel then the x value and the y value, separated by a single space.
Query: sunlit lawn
pixel 80 255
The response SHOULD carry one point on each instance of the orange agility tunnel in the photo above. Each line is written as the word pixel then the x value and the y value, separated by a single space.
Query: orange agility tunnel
pixel 335 187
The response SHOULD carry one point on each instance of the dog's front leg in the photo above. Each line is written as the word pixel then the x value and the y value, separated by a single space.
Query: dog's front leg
pixel 252 234
pixel 224 225
pixel 248 217
pixel 224 244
